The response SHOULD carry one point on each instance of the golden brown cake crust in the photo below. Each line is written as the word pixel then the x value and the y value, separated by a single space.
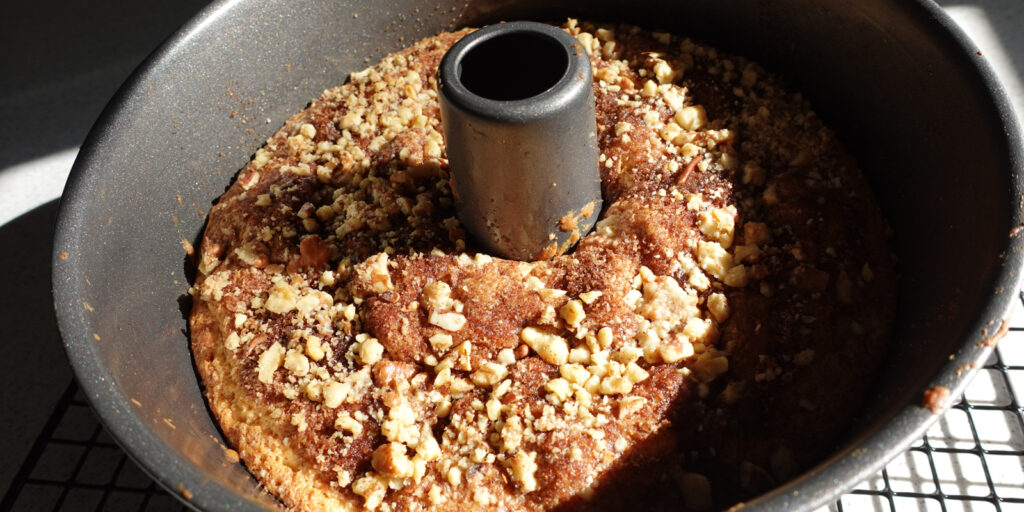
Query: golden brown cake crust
pixel 713 336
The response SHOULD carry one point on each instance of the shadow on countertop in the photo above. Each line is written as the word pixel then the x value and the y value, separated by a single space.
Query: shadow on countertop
pixel 33 369
pixel 62 61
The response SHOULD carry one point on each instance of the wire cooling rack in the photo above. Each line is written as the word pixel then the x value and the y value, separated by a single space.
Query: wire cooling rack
pixel 75 465
pixel 971 460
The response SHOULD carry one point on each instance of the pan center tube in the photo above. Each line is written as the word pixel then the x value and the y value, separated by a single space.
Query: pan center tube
pixel 517 108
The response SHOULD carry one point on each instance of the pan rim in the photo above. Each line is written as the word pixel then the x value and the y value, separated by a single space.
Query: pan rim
pixel 818 485
pixel 166 466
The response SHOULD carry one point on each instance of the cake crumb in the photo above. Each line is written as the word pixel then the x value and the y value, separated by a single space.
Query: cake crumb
pixel 936 399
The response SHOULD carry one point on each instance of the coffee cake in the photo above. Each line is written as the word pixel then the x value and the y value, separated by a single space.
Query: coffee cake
pixel 710 339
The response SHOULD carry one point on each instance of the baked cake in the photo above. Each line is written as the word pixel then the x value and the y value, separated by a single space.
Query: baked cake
pixel 711 338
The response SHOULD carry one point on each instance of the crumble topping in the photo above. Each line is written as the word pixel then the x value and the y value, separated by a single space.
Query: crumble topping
pixel 738 262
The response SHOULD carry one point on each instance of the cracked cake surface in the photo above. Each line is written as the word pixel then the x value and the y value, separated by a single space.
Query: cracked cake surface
pixel 713 336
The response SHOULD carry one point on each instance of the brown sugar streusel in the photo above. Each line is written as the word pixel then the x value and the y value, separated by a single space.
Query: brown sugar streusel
pixel 710 339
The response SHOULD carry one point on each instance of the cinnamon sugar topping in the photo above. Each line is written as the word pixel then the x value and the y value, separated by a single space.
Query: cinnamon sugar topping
pixel 397 368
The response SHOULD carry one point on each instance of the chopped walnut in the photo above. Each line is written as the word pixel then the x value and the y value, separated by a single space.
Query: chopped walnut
pixel 672 350
pixel 746 253
pixel 346 423
pixel 374 273
pixel 663 72
pixel 629 405
pixel 572 312
pixel 718 224
pixel 370 351
pixel 615 385
pixel 296 362
pixel 702 331
pixel 232 341
pixel 635 373
pixel 574 373
pixel 428 449
pixel 804 357
pixel 696 491
pixel 441 342
pixel 736 277
pixel 314 349
pixel 449 321
pixel 713 259
pixel 708 366
pixel 372 489
pixel 523 467
pixel 334 393
pixel 756 233
pixel 282 299
pixel 718 305
pixel 866 273
pixel 390 459
pixel 506 356
pixel 269 362
pixel 753 174
pixel 550 347
pixel 559 388
pixel 664 299
pixel 437 295
pixel 489 374
pixel 691 118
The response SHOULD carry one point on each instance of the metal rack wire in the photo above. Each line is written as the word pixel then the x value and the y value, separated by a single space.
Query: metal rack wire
pixel 75 465
pixel 958 468
pixel 971 460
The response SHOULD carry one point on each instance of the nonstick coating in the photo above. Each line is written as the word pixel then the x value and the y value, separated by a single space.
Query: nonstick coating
pixel 901 84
